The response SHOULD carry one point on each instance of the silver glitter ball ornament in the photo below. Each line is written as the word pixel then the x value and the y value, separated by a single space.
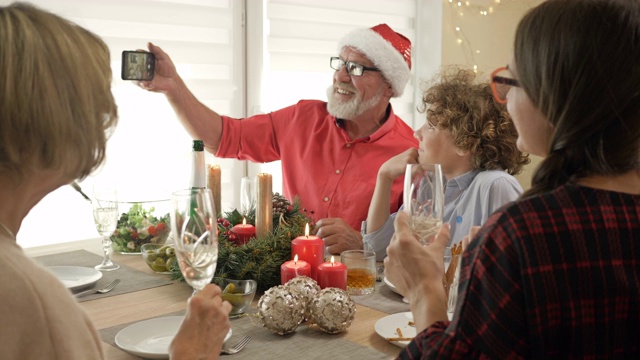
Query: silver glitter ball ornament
pixel 333 310
pixel 306 289
pixel 279 310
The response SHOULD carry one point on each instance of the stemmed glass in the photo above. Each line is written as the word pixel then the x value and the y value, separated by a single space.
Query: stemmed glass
pixel 424 199
pixel 247 195
pixel 194 221
pixel 105 215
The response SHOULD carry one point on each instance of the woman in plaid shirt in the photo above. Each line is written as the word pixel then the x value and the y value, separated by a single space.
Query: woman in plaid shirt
pixel 557 273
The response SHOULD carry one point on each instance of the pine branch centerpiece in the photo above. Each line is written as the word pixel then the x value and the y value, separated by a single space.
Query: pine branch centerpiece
pixel 260 258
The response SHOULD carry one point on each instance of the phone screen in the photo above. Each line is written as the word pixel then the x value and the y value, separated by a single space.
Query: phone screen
pixel 138 65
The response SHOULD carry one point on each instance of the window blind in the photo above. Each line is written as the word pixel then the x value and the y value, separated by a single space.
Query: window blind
pixel 150 152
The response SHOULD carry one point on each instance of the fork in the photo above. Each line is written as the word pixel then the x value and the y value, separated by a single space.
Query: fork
pixel 99 291
pixel 237 347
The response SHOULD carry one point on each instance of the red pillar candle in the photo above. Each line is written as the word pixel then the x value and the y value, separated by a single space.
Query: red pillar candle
pixel 332 274
pixel 243 232
pixel 293 268
pixel 309 249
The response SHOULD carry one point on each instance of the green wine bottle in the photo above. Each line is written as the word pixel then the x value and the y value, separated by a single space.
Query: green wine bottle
pixel 198 181
pixel 198 174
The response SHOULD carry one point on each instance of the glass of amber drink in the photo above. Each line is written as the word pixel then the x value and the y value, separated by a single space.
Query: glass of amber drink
pixel 361 271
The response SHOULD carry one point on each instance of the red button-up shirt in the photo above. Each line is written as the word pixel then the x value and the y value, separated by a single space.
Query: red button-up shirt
pixel 332 175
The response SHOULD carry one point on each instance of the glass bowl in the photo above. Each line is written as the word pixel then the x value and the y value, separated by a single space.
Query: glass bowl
pixel 160 258
pixel 139 223
pixel 239 293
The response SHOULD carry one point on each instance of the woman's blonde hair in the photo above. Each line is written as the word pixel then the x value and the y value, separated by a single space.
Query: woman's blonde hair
pixel 56 105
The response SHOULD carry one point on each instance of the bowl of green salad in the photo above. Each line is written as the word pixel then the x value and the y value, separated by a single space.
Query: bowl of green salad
pixel 144 222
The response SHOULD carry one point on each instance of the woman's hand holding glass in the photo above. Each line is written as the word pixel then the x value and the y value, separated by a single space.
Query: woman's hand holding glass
pixel 417 271
pixel 195 222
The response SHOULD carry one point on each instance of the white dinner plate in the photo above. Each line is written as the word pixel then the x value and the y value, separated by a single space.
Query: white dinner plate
pixel 150 339
pixel 390 285
pixel 387 327
pixel 76 277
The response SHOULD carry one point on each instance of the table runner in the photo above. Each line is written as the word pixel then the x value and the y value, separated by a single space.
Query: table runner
pixel 307 342
pixel 130 279
pixel 383 299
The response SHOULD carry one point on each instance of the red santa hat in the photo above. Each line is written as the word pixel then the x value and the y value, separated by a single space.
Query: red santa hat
pixel 388 50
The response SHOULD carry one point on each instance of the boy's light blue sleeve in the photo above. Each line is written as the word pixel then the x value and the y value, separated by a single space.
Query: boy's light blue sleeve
pixel 379 240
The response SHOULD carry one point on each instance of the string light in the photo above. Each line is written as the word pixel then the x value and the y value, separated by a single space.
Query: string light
pixel 481 7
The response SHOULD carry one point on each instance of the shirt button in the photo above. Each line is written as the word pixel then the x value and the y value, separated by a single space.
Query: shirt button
pixel 326 199
pixel 338 171
pixel 348 145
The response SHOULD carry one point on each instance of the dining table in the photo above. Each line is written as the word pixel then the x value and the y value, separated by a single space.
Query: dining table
pixel 144 294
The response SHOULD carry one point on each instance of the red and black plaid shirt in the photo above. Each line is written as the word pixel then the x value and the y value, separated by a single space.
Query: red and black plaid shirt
pixel 551 276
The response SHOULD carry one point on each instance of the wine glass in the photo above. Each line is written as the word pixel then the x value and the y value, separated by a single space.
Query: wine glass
pixel 424 199
pixel 194 221
pixel 247 195
pixel 105 215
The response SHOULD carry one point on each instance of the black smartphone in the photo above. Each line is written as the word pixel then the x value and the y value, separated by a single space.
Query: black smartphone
pixel 138 65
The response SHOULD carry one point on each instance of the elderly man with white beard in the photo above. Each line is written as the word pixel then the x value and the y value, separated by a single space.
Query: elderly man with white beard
pixel 330 151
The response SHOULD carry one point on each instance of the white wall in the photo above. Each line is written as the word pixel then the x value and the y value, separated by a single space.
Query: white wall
pixel 491 34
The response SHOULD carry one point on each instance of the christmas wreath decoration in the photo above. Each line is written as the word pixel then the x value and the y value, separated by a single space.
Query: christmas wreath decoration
pixel 261 257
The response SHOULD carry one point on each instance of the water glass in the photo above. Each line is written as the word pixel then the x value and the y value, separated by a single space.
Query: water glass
pixel 452 299
pixel 105 216
pixel 361 271
pixel 247 195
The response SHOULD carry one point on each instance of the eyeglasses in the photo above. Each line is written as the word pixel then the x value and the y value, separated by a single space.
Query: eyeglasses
pixel 353 69
pixel 501 84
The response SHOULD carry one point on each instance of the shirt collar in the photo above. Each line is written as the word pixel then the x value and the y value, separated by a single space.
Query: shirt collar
pixel 463 181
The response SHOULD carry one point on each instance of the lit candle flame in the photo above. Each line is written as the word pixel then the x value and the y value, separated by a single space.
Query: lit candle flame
pixel 332 260
pixel 295 259
pixel 306 230
pixel 244 221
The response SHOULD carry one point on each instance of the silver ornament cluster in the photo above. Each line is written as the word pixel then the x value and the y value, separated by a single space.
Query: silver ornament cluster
pixel 280 311
pixel 333 310
pixel 306 289
pixel 282 308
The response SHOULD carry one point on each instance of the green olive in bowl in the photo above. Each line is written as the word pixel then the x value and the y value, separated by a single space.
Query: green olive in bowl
pixel 160 258
pixel 239 293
